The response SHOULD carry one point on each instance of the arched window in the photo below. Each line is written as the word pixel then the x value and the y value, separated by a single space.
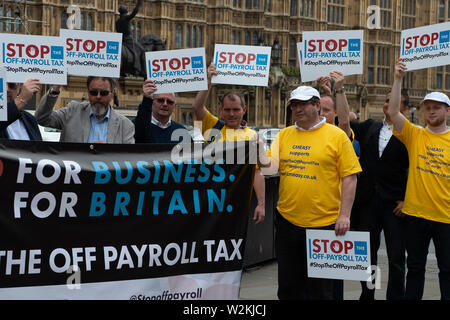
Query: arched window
pixel 8 21
pixel 64 18
pixel 178 36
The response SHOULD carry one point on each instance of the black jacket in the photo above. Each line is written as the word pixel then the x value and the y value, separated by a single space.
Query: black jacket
pixel 385 176
pixel 28 120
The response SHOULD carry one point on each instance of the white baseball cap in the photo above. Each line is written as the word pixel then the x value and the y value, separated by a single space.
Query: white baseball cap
pixel 304 93
pixel 437 96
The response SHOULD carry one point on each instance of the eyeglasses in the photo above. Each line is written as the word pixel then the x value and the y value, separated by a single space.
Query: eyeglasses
pixel 162 100
pixel 12 85
pixel 95 93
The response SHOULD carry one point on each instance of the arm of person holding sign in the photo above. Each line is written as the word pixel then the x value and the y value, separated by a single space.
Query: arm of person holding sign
pixel 18 98
pixel 342 108
pixel 44 113
pixel 397 118
pixel 199 104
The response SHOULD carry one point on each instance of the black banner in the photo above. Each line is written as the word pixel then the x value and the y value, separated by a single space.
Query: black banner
pixel 118 212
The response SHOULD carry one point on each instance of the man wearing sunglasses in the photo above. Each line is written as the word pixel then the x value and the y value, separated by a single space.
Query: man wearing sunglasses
pixel 153 123
pixel 21 125
pixel 93 121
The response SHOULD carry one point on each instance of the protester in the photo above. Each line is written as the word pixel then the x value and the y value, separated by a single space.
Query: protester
pixel 427 199
pixel 317 193
pixel 336 113
pixel 232 128
pixel 153 123
pixel 93 121
pixel 379 197
pixel 21 125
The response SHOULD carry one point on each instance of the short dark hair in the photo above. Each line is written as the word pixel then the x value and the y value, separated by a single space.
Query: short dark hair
pixel 233 96
pixel 110 80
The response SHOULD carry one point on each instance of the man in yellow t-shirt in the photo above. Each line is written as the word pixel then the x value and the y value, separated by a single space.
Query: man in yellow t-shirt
pixel 231 128
pixel 427 199
pixel 318 167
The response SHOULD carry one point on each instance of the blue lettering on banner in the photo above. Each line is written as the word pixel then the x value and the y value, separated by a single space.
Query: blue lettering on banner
pixel 444 36
pixel 354 44
pixel 360 247
pixel 197 62
pixel 57 52
pixel 112 47
pixel 261 59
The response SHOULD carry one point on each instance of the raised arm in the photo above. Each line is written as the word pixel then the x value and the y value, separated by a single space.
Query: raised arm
pixel 135 10
pixel 342 108
pixel 199 104
pixel 394 103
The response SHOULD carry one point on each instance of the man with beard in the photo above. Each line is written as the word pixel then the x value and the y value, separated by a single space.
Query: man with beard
pixel 427 199
pixel 93 121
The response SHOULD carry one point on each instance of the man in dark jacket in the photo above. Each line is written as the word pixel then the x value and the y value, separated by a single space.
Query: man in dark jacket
pixel 379 196
pixel 21 125
pixel 153 123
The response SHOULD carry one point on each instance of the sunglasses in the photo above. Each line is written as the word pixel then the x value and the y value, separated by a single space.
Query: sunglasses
pixel 103 93
pixel 12 85
pixel 162 100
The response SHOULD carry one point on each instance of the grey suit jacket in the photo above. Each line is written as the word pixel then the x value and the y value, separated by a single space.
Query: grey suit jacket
pixel 75 124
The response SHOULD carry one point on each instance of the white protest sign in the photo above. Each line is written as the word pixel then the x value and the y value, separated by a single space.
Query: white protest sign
pixel 177 70
pixel 3 97
pixel 92 53
pixel 41 57
pixel 426 47
pixel 322 52
pixel 344 257
pixel 242 65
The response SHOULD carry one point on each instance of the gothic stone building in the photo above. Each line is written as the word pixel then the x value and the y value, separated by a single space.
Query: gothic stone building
pixel 202 23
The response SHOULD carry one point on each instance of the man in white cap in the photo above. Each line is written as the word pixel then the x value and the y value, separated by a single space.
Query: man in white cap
pixel 427 199
pixel 318 167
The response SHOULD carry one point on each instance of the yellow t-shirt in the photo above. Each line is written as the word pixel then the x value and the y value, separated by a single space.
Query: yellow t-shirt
pixel 428 187
pixel 226 133
pixel 311 166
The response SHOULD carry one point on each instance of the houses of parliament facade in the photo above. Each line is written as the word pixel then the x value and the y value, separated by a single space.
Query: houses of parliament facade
pixel 276 23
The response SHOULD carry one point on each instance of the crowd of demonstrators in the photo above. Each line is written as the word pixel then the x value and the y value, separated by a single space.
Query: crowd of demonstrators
pixel 427 197
pixel 398 183
pixel 232 127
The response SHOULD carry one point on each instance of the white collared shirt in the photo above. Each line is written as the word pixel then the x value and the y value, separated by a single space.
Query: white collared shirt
pixel 17 131
pixel 322 121
pixel 385 136
pixel 159 124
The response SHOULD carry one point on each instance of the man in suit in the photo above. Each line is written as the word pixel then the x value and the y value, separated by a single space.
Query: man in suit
pixel 21 125
pixel 94 121
pixel 379 196
pixel 153 123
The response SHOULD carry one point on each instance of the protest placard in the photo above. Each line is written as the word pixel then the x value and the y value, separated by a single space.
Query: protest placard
pixel 177 70
pixel 320 53
pixel 3 97
pixel 41 57
pixel 426 47
pixel 92 53
pixel 242 65
pixel 344 257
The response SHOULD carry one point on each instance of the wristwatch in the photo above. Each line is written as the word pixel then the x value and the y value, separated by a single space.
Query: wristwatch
pixel 53 92
pixel 341 90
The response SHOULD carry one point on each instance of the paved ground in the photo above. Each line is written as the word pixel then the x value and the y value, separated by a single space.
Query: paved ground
pixel 260 282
